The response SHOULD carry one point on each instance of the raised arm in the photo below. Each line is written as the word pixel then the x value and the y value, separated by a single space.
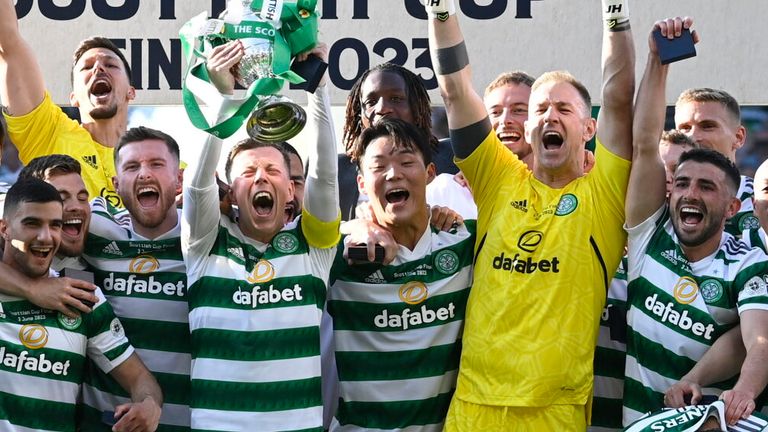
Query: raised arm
pixel 21 81
pixel 323 201
pixel 647 182
pixel 454 76
pixel 143 412
pixel 614 121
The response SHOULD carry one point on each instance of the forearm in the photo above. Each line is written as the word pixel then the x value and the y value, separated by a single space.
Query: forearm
pixel 754 373
pixel 9 28
pixel 720 362
pixel 617 93
pixel 323 201
pixel 463 105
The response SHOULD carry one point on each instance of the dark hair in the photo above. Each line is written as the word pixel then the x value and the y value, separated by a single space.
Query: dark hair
pixel 403 135
pixel 702 155
pixel 250 144
pixel 291 151
pixel 98 42
pixel 706 94
pixel 44 167
pixel 418 99
pixel 142 133
pixel 676 137
pixel 32 190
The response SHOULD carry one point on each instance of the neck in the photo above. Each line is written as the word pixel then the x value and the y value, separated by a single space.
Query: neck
pixel 106 132
pixel 554 179
pixel 263 236
pixel 698 253
pixel 152 233
pixel 409 234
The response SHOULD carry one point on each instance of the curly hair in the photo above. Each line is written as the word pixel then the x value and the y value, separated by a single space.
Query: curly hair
pixel 418 99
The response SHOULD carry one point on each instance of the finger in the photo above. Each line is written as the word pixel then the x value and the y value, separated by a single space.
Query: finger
pixel 74 305
pixel 695 395
pixel 661 26
pixel 687 22
pixel 695 36
pixel 80 284
pixel 83 295
pixel 678 27
pixel 670 28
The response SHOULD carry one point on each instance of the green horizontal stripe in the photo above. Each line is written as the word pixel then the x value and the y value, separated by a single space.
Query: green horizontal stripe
pixel 211 291
pixel 609 362
pixel 158 335
pixel 606 413
pixel 117 351
pixel 32 359
pixel 655 357
pixel 256 345
pixel 641 398
pixel 256 397
pixel 394 415
pixel 90 420
pixel 388 366
pixel 359 316
pixel 36 413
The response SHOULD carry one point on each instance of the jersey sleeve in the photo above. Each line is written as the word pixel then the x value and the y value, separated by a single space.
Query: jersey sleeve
pixel 34 133
pixel 638 239
pixel 489 162
pixel 752 281
pixel 108 346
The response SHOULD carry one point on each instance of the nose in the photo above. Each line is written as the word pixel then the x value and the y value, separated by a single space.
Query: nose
pixel 383 106
pixel 550 114
pixel 392 172
pixel 44 234
pixel 145 172
pixel 260 175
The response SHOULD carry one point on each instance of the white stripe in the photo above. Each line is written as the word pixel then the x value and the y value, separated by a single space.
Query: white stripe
pixel 654 381
pixel 607 387
pixel 336 427
pixel 398 390
pixel 604 340
pixel 646 324
pixel 172 414
pixel 388 293
pixel 175 311
pixel 254 319
pixel 218 420
pixel 58 339
pixel 285 266
pixel 6 426
pixel 47 389
pixel 411 339
pixel 120 264
pixel 256 371
pixel 166 361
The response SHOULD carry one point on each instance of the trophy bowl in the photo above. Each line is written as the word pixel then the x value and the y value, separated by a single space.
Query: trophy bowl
pixel 276 119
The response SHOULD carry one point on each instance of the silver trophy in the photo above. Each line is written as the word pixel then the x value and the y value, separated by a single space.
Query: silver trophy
pixel 275 118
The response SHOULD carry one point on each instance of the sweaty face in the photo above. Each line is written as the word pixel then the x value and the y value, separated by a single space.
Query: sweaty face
pixel 147 179
pixel 384 94
pixel 507 108
pixel 558 127
pixel 77 213
pixel 261 188
pixel 670 154
pixel 294 206
pixel 711 126
pixel 395 180
pixel 699 203
pixel 32 236
pixel 100 85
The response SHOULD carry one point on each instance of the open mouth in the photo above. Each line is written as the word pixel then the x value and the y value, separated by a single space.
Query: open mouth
pixel 148 196
pixel 396 196
pixel 552 140
pixel 40 251
pixel 507 138
pixel 72 227
pixel 690 215
pixel 290 211
pixel 101 88
pixel 263 202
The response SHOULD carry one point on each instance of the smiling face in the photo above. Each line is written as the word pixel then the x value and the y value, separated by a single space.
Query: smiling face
pixel 32 235
pixel 100 85
pixel 700 202
pixel 711 126
pixel 77 212
pixel 148 177
pixel 558 127
pixel 395 180
pixel 261 187
pixel 384 94
pixel 507 108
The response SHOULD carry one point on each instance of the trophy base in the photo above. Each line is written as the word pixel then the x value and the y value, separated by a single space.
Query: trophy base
pixel 276 119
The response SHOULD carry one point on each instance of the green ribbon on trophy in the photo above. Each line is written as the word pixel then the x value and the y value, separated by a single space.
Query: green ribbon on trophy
pixel 274 31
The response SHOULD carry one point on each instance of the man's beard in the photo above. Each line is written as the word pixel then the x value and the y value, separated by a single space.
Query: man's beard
pixel 104 113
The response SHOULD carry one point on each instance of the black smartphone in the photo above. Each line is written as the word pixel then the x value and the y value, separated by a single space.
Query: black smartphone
pixel 108 418
pixel 360 253
pixel 82 275
pixel 312 70
pixel 672 50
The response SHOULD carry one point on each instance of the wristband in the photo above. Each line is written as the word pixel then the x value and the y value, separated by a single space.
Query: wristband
pixel 616 14
pixel 439 9
pixel 451 59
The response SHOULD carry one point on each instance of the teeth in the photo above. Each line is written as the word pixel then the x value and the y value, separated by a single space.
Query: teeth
pixel 73 221
pixel 690 210
pixel 147 190
pixel 41 249
pixel 262 195
pixel 396 190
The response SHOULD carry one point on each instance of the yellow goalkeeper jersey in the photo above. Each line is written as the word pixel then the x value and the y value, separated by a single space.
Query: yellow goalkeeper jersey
pixel 544 260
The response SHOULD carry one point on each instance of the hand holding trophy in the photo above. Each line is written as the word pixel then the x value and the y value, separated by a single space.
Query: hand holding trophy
pixel 252 42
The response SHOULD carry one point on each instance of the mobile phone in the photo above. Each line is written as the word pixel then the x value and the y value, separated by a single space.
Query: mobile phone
pixel 360 253
pixel 108 418
pixel 82 275
pixel 672 50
